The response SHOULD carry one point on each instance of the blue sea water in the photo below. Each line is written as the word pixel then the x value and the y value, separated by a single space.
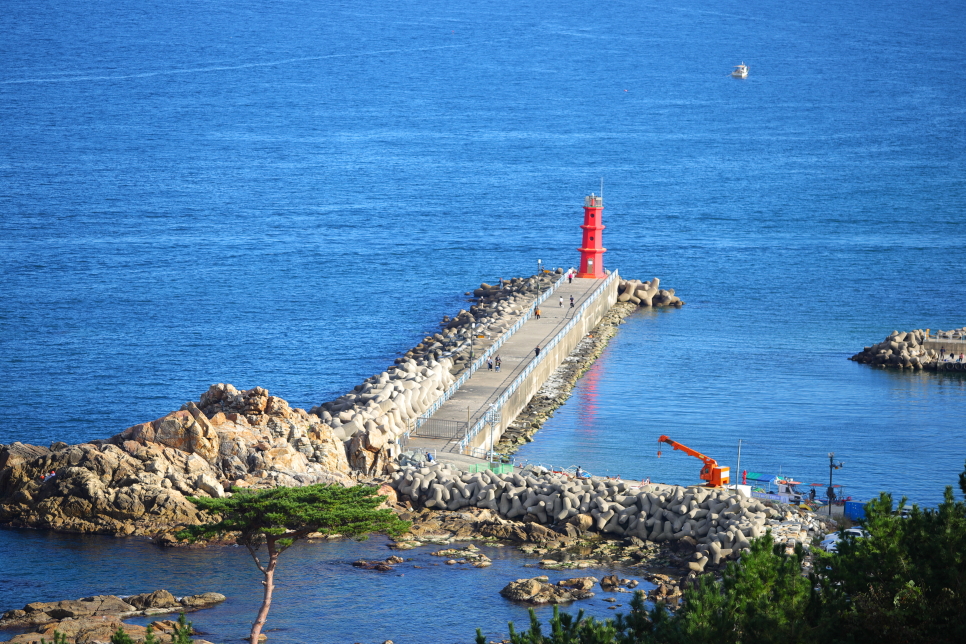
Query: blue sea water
pixel 290 195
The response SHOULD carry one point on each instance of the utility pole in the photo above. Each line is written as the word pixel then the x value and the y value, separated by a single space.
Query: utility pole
pixel 832 465
pixel 737 469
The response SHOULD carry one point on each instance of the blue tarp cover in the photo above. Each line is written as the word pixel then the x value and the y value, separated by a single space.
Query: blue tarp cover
pixel 763 478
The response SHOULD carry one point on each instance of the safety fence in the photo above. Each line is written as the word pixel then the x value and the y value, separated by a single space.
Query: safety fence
pixel 440 428
pixel 520 379
pixel 479 362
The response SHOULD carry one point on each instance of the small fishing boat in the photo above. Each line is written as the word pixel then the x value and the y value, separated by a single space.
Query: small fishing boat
pixel 741 71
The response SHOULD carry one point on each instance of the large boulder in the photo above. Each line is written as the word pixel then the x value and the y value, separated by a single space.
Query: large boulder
pixel 539 591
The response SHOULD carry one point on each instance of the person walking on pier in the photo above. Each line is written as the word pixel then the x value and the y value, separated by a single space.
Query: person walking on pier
pixel 571 301
pixel 538 312
pixel 489 364
pixel 561 301
pixel 536 351
pixel 570 277
pixel 499 362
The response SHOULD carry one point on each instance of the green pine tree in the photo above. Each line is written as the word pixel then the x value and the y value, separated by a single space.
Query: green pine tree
pixel 277 518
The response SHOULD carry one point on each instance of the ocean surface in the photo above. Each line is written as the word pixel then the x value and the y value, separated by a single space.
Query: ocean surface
pixel 292 194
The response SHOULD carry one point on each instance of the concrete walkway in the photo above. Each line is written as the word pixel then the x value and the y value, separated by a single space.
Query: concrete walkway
pixel 484 387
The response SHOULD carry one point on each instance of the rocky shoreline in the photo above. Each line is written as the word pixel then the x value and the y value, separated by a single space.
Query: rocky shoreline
pixel 90 620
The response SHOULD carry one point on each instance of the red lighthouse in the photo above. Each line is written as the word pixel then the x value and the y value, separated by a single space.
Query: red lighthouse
pixel 591 247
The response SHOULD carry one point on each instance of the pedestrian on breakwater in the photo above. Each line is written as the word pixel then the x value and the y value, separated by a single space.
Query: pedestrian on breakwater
pixel 942 353
pixel 537 312
pixel 537 351
pixel 489 364
pixel 571 301
pixel 561 301
pixel 499 362
pixel 570 277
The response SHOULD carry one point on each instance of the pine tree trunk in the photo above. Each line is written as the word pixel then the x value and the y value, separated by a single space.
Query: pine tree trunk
pixel 269 587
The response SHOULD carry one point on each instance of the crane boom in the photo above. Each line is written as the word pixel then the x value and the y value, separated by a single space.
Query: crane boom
pixel 712 473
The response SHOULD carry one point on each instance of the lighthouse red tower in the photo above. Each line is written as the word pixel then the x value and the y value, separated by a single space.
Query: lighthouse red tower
pixel 591 247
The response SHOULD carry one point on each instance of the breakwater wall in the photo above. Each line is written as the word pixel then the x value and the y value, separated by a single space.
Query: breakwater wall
pixel 918 349
pixel 718 521
pixel 512 401
pixel 377 413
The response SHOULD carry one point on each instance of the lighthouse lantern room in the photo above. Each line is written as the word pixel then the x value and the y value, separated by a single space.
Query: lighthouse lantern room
pixel 592 247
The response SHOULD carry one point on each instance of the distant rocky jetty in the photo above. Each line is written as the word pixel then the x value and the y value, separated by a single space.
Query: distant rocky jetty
pixel 95 619
pixel 919 349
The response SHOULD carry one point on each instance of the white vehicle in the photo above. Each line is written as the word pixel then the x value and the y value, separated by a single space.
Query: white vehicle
pixel 831 542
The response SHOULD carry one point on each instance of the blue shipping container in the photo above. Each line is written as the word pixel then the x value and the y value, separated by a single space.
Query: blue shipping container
pixel 855 510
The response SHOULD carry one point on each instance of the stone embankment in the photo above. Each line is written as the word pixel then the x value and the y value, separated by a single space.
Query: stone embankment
pixel 372 417
pixel 908 350
pixel 95 619
pixel 719 523
pixel 137 481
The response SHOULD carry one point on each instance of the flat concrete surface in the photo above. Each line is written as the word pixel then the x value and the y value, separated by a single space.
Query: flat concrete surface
pixel 484 387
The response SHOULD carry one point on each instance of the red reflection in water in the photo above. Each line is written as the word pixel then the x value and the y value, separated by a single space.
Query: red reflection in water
pixel 588 394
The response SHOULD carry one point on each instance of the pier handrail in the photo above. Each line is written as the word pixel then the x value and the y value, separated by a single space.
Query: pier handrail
pixel 479 362
pixel 478 426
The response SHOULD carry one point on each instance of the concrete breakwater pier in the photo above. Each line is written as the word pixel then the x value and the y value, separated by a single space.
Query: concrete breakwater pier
pixel 922 349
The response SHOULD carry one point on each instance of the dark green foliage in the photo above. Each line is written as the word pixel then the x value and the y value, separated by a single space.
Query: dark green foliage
pixel 182 632
pixel 906 584
pixel 149 637
pixel 120 637
pixel 59 638
pixel 290 513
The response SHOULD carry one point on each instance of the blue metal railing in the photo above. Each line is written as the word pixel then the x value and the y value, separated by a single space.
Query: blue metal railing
pixel 479 362
pixel 536 361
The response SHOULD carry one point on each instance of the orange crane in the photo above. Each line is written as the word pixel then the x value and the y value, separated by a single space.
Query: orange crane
pixel 715 475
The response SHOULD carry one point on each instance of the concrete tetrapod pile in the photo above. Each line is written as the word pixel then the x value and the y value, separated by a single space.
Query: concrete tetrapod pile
pixel 647 294
pixel 377 412
pixel 720 522
pixel 906 350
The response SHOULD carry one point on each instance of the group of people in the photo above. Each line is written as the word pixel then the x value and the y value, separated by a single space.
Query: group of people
pixel 494 363
pixel 952 355
pixel 45 477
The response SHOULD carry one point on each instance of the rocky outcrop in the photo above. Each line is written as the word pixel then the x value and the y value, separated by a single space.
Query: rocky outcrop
pixel 718 522
pixel 539 590
pixel 375 414
pixel 105 606
pixel 916 350
pixel 647 294
pixel 137 481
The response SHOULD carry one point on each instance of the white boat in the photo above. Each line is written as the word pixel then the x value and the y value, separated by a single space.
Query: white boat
pixel 741 71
